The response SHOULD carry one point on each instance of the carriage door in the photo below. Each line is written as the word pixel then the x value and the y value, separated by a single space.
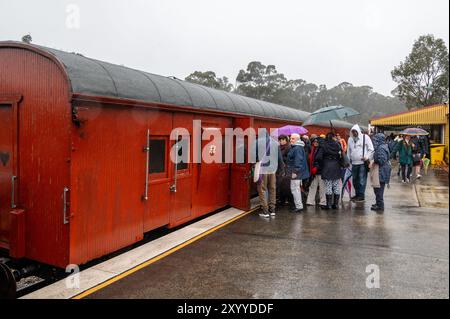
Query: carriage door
pixel 181 169
pixel 157 192
pixel 8 167
pixel 168 190
pixel 241 172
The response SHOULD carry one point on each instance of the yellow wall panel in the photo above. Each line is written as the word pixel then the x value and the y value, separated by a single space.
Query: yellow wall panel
pixel 435 114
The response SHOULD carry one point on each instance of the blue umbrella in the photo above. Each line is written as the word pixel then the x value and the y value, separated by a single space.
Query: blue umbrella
pixel 329 113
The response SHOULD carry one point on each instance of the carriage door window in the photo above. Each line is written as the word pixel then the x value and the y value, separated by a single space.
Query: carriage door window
pixel 157 159
pixel 182 148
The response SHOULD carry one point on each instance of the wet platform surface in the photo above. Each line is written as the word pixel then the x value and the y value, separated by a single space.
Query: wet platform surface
pixel 316 254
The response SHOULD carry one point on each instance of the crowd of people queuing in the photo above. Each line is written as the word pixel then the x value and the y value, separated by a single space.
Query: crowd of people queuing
pixel 311 169
pixel 413 152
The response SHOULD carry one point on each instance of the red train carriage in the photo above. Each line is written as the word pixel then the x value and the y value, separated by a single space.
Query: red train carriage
pixel 75 170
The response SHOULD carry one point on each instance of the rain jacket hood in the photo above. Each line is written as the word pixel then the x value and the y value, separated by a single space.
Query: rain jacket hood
pixel 332 147
pixel 358 129
pixel 381 157
pixel 378 139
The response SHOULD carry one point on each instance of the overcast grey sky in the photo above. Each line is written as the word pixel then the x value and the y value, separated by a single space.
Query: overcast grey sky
pixel 320 41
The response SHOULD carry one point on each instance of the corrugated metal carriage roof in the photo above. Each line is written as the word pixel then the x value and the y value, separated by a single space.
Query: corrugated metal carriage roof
pixel 94 77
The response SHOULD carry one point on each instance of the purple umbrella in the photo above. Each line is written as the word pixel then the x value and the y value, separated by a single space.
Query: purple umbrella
pixel 289 130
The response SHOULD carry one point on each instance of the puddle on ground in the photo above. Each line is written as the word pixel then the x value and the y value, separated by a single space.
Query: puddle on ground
pixel 433 196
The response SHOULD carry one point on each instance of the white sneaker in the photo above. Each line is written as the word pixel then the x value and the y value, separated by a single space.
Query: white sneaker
pixel 418 176
pixel 408 180
pixel 265 215
pixel 403 181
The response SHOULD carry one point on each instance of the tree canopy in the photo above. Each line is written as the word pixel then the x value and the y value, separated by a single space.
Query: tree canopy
pixel 27 38
pixel 264 82
pixel 210 79
pixel 260 81
pixel 423 77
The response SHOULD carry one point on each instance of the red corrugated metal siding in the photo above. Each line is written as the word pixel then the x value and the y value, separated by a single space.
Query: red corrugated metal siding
pixel 108 179
pixel 240 186
pixel 312 129
pixel 107 174
pixel 318 130
pixel 268 124
pixel 44 149
pixel 7 168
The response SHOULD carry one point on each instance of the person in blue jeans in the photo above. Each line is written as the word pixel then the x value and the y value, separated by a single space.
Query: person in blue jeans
pixel 359 150
pixel 297 170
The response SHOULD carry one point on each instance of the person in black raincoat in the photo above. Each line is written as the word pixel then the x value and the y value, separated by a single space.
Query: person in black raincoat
pixel 316 175
pixel 284 181
pixel 329 157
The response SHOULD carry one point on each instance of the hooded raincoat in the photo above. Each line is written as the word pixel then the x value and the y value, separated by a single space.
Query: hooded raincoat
pixel 381 157
pixel 355 147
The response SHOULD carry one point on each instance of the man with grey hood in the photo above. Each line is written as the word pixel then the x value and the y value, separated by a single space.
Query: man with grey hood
pixel 360 153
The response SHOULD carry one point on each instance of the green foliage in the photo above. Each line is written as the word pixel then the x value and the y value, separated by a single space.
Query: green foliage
pixel 423 77
pixel 265 83
pixel 260 82
pixel 27 38
pixel 210 79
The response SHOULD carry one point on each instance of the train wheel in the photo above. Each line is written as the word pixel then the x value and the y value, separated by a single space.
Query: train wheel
pixel 8 284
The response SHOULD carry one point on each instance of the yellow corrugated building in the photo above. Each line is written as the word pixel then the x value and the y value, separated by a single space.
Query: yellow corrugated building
pixel 433 118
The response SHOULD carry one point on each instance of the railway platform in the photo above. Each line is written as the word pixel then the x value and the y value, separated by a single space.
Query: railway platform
pixel 316 254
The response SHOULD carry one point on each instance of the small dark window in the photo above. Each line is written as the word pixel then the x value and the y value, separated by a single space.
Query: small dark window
pixel 183 153
pixel 157 156
pixel 241 149
pixel 225 149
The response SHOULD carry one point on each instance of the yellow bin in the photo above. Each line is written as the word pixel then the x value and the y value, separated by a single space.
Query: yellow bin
pixel 437 153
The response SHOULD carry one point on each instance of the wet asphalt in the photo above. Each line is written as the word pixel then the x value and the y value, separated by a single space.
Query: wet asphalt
pixel 316 254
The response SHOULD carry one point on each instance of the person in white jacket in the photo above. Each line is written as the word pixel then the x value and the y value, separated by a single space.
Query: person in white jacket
pixel 359 150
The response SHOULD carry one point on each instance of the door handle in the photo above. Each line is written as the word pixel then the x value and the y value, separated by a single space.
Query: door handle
pixel 13 191
pixel 65 203
pixel 147 150
pixel 173 188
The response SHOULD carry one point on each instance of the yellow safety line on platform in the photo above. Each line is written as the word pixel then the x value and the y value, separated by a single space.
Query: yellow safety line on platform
pixel 159 257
